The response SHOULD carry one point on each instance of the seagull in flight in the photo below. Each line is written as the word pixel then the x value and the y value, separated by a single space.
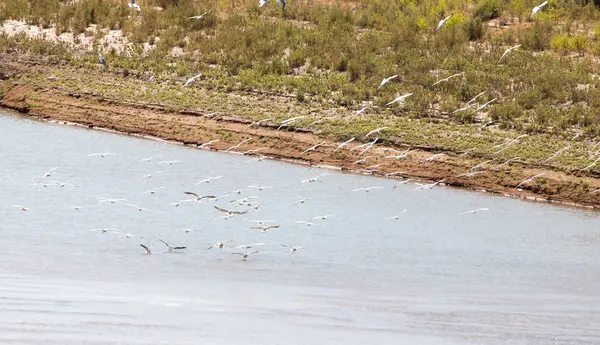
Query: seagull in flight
pixel 208 180
pixel 313 148
pixel 171 248
pixel 448 78
pixel 238 145
pixel 305 222
pixel 112 201
pixel 397 216
pixel 466 107
pixel 429 186
pixel 292 249
pixel 479 166
pixel 249 246
pixel 105 230
pixel 302 201
pixel 401 98
pixel 229 212
pixel 537 8
pixel 361 110
pixel 434 157
pixel 48 173
pixel 470 174
pixel 139 208
pixel 170 162
pixel 313 179
pixel 101 154
pixel 22 208
pixel 475 211
pixel 153 191
pixel 557 153
pixel 287 122
pixel 265 228
pixel 198 197
pixel 261 222
pixel 508 51
pixel 530 179
pixel 443 22
pixel 202 15
pixel 376 131
pixel 219 245
pixel 322 217
pixel 402 182
pixel 261 188
pixel 191 80
pixel 475 98
pixel 386 80
pixel 368 189
pixel 485 105
pixel 245 255
pixel 148 251
pixel 591 165
pixel 178 203
pixel 208 144
pixel 151 158
pixel 345 143
pixel 509 161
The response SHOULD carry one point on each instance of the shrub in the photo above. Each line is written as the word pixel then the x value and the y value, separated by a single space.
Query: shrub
pixel 488 9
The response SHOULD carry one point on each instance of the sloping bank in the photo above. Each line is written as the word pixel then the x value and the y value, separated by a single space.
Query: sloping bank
pixel 195 127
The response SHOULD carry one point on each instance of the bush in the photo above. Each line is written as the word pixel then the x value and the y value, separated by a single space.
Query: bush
pixel 488 9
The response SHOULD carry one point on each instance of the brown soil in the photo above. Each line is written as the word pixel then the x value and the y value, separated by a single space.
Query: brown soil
pixel 194 128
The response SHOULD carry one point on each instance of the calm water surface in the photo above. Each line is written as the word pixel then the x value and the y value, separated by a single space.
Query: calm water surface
pixel 522 273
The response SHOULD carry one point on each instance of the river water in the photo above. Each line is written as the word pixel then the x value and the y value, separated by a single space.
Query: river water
pixel 520 273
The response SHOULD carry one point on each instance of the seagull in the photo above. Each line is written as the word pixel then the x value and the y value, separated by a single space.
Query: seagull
pixel 466 107
pixel 485 105
pixel 557 153
pixel 171 248
pixel 261 3
pixel 475 211
pixel 400 98
pixel 386 80
pixel 366 189
pixel 208 144
pixel 135 5
pixel 395 173
pixel 112 201
pixel 245 255
pixel 470 174
pixel 170 162
pixel 229 212
pixel 48 173
pixel 475 98
pixel 201 16
pixel 434 157
pixel 254 151
pixel 102 60
pixel 139 208
pixel 249 246
pixel 429 186
pixel 443 22
pixel 208 180
pixel 508 51
pixel 322 217
pixel 448 78
pixel 261 222
pixel 313 179
pixel 289 121
pixel 151 158
pixel 302 201
pixel 22 208
pixel 177 203
pixel 153 191
pixel 361 110
pixel 238 145
pixel 265 228
pixel 530 179
pixel 369 145
pixel 313 148
pixel 509 161
pixel 187 231
pixel 591 165
pixel 292 249
pixel 219 245
pixel 258 123
pixel 397 216
pixel 479 166
pixel 63 184
pixel 76 208
pixel 259 187
pixel 508 144
pixel 198 197
pixel 305 222
pixel 375 131
pixel 538 8
pixel 401 155
pixel 104 230
pixel 101 154
pixel 148 251
pixel 402 182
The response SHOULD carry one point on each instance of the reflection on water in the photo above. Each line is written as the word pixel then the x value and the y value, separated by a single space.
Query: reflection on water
pixel 520 273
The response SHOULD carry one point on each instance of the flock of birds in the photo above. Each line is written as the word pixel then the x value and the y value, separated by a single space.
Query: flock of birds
pixel 246 205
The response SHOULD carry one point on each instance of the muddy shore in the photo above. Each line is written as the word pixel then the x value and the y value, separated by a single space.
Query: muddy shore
pixel 195 126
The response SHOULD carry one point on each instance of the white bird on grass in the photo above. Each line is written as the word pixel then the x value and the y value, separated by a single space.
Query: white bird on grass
pixel 219 245
pixel 537 8
pixel 397 216
pixel 208 180
pixel 368 189
pixel 401 98
pixel 261 3
pixel 245 255
pixel 448 78
pixel 102 60
pixel 530 179
pixel 313 148
pixel 386 80
pixel 475 211
pixel 443 22
pixel 191 80
pixel 202 15
pixel 508 51
pixel 376 131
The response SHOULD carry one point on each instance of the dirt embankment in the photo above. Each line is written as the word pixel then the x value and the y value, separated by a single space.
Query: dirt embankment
pixel 194 127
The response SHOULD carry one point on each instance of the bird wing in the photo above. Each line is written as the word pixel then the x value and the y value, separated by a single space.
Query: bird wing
pixel 273 227
pixel 240 212
pixel 179 248
pixel 242 254
pixel 143 246
pixel 192 193
pixel 209 247
pixel 208 197
pixel 254 252
pixel 165 243
pixel 222 209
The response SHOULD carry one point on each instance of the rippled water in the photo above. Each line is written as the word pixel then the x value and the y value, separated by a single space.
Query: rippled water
pixel 522 273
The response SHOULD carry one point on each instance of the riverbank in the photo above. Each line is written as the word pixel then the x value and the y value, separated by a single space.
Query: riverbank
pixel 124 104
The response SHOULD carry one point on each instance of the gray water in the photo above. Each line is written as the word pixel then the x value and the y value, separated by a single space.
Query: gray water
pixel 521 273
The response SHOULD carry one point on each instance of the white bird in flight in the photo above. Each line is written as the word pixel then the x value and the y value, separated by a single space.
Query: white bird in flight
pixel 368 189
pixel 238 145
pixel 139 208
pixel 48 173
pixel 202 15
pixel 485 105
pixel 302 201
pixel 322 217
pixel 172 248
pixel 147 249
pixel 508 51
pixel 153 191
pixel 401 98
pixel 307 223
pixel 249 246
pixel 112 201
pixel 22 208
pixel 191 80
pixel 169 162
pixel 477 96
pixel 361 110
pixel 151 158
pixel 313 179
pixel 396 217
pixel 530 179
pixel 376 131
pixel 197 197
pixel 208 180
pixel 219 245
pixel 475 211
pixel 208 144
pixel 313 148
pixel 386 80
pixel 448 78
pixel 245 255
pixel 293 249
pixel 443 22
pixel 345 143
pixel 265 228
pixel 434 157
pixel 537 8
pixel 101 154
